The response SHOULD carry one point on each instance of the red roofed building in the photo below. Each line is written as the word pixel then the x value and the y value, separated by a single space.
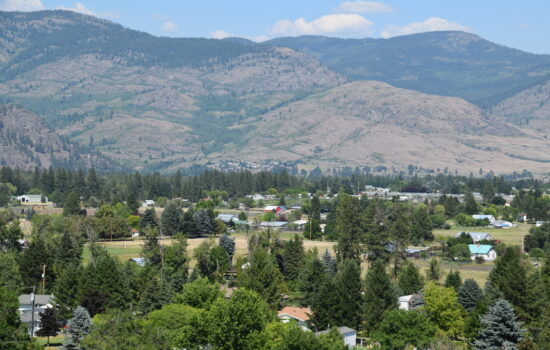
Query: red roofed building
pixel 298 314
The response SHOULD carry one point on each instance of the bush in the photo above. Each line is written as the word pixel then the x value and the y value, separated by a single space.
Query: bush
pixel 479 259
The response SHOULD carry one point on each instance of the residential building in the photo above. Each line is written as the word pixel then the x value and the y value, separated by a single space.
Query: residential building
pixel 487 252
pixel 349 335
pixel 41 303
pixel 298 314
pixel 476 236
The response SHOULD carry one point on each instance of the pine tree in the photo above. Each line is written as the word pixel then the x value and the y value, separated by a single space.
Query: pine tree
pixel 65 291
pixel 434 271
pixel 469 294
pixel 204 222
pixel 149 218
pixel 349 287
pixel 69 251
pixel 499 328
pixel 176 263
pixel 453 280
pixel 312 278
pixel 422 224
pixel 242 216
pixel 294 257
pixel 409 279
pixel 171 220
pixel 79 325
pixel 189 227
pixel 228 244
pixel 400 234
pixel 379 297
pixel 133 203
pixel 157 293
pixel 71 206
pixel 49 325
pixel 470 204
pixel 312 229
pixel 329 262
pixel 349 225
pixel 324 305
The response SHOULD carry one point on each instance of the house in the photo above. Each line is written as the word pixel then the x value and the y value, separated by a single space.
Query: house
pixel 487 252
pixel 271 208
pixel 41 303
pixel 410 302
pixel 502 224
pixel 256 197
pixel 298 314
pixel 227 218
pixel 31 198
pixel 540 223
pixel 138 261
pixel 134 232
pixel 349 335
pixel 300 224
pixel 476 236
pixel 491 218
pixel 273 224
pixel 148 203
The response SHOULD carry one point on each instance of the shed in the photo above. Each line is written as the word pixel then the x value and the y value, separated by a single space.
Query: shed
pixel 349 335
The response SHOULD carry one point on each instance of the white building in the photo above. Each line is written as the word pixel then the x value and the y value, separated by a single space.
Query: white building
pixel 349 335
pixel 41 303
pixel 487 252
pixel 31 198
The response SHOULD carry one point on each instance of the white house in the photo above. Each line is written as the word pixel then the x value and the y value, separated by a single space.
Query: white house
pixel 298 314
pixel 227 218
pixel 148 203
pixel 502 224
pixel 349 335
pixel 476 236
pixel 31 198
pixel 41 303
pixel 487 252
pixel 410 302
pixel 491 218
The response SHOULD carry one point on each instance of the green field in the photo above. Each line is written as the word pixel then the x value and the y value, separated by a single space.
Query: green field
pixel 509 236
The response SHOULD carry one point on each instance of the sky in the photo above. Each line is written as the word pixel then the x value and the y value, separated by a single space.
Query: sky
pixel 523 25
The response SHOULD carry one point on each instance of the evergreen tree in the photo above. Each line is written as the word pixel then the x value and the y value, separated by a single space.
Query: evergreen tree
pixel 151 249
pixel 312 278
pixel 294 257
pixel 434 271
pixel 349 226
pixel 349 288
pixel 149 218
pixel 379 297
pixel 499 328
pixel 469 294
pixel 409 279
pixel 421 224
pixel 10 276
pixel 78 327
pixel 453 280
pixel 228 244
pixel 66 290
pixel 324 305
pixel 13 334
pixel 329 263
pixel 171 220
pixel 312 229
pixel 157 293
pixel 242 216
pixel 133 203
pixel 189 227
pixel 204 222
pixel 176 263
pixel 71 206
pixel 400 234
pixel 470 204
pixel 69 250
pixel 49 325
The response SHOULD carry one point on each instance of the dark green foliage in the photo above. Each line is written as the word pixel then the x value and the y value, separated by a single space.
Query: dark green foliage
pixel 470 204
pixel 349 289
pixel 400 329
pixel 157 293
pixel 10 276
pixel 538 237
pixel 71 206
pixel 499 328
pixel 175 267
pixel 312 229
pixel 469 294
pixel 151 250
pixel 40 252
pixel 433 273
pixel 400 234
pixel 349 225
pixel 409 279
pixel 204 222
pixel 242 216
pixel 9 236
pixel 453 280
pixel 228 244
pixel 312 278
pixel 379 296
pixel 13 335
pixel 171 220
pixel 294 258
pixel 49 325
pixel 66 291
pixel 69 250
pixel 200 293
pixel 324 305
pixel 421 224
pixel 149 218
pixel 329 262
pixel 133 203
pixel 377 231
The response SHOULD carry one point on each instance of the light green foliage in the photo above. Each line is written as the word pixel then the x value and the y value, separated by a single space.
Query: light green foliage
pixel 200 293
pixel 400 329
pixel 444 310
pixel 134 221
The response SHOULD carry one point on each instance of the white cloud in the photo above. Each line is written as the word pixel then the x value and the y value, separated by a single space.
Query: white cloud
pixel 429 25
pixel 78 7
pixel 161 17
pixel 365 7
pixel 222 34
pixel 169 26
pixel 21 5
pixel 336 23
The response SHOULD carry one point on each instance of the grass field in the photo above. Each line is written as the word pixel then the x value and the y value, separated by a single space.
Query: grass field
pixel 55 342
pixel 509 236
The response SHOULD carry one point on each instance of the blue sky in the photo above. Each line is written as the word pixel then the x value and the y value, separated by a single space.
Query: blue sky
pixel 522 25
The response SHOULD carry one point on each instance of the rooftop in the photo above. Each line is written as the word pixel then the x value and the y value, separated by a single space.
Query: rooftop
pixel 300 313
pixel 480 248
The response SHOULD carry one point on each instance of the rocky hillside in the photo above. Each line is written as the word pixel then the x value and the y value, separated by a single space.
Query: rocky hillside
pixel 529 109
pixel 444 63
pixel 374 123
pixel 26 142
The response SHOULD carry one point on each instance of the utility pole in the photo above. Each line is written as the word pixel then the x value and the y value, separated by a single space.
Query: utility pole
pixel 32 314
pixel 43 279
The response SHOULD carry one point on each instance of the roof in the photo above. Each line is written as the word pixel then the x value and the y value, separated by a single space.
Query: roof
pixel 300 222
pixel 33 197
pixel 482 216
pixel 480 248
pixel 271 207
pixel 341 330
pixel 139 261
pixel 299 313
pixel 476 236
pixel 226 217
pixel 273 223
pixel 502 223
pixel 39 299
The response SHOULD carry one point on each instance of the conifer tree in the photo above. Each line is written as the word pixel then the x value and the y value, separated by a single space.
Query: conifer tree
pixel 171 220
pixel 349 225
pixel 157 293
pixel 149 218
pixel 379 297
pixel 453 280
pixel 409 279
pixel 204 222
pixel 71 206
pixel 66 291
pixel 433 273
pixel 294 257
pixel 329 262
pixel 312 278
pixel 228 244
pixel 312 229
pixel 470 204
pixel 78 327
pixel 421 224
pixel 349 288
pixel 400 234
pixel 469 294
pixel 500 328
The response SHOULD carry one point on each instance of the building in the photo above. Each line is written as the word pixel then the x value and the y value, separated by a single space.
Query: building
pixel 227 218
pixel 487 252
pixel 31 198
pixel 502 224
pixel 476 236
pixel 271 208
pixel 491 218
pixel 138 261
pixel 298 314
pixel 148 203
pixel 273 224
pixel 410 302
pixel 349 335
pixel 300 224
pixel 41 303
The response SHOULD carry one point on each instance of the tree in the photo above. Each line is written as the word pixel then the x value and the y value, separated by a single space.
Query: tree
pixel 499 328
pixel 264 278
pixel 66 290
pixel 200 293
pixel 380 296
pixel 469 294
pixel 453 280
pixel 13 334
pixel 149 218
pixel 444 310
pixel 324 304
pixel 409 279
pixel 171 220
pixel 157 293
pixel 329 263
pixel 400 234
pixel 10 276
pixel 294 258
pixel 470 204
pixel 232 322
pixel 312 229
pixel 242 216
pixel 349 288
pixel 400 329
pixel 228 244
pixel 176 262
pixel 71 206
pixel 205 224
pixel 79 326
pixel 49 325
pixel 312 277
pixel 133 203
pixel 488 192
pixel 349 226
pixel 421 224
pixel 434 271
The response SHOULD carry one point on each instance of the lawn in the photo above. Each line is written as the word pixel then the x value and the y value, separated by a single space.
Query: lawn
pixel 55 342
pixel 509 236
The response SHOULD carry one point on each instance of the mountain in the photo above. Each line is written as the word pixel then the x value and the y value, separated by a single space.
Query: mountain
pixel 373 123
pixel 27 142
pixel 443 63
pixel 529 108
